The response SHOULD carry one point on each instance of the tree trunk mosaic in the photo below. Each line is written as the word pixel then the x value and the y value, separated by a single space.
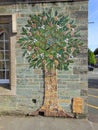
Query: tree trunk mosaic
pixel 51 105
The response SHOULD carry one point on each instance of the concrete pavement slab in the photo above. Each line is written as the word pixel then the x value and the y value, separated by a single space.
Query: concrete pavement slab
pixel 44 123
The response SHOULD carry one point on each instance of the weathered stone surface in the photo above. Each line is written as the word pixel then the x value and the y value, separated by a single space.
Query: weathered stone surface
pixel 30 83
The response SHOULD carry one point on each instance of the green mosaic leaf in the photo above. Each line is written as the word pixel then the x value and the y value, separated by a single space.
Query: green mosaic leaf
pixel 50 39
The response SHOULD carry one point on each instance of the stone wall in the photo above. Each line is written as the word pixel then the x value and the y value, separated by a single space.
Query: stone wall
pixel 29 82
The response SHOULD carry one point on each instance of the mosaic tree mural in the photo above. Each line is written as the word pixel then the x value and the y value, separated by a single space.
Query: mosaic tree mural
pixel 50 41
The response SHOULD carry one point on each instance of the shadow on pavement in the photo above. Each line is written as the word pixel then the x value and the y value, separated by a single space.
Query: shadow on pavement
pixel 93 117
pixel 92 83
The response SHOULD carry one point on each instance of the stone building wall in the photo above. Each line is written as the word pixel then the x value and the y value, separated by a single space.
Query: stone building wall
pixel 29 82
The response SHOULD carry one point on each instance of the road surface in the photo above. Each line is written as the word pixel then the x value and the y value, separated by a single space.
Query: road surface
pixel 93 95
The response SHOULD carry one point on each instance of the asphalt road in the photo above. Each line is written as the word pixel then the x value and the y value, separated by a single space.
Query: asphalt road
pixel 93 95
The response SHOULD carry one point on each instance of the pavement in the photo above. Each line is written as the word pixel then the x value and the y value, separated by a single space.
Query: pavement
pixel 45 123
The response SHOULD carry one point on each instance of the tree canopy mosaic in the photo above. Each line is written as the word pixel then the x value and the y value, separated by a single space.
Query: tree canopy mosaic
pixel 50 39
